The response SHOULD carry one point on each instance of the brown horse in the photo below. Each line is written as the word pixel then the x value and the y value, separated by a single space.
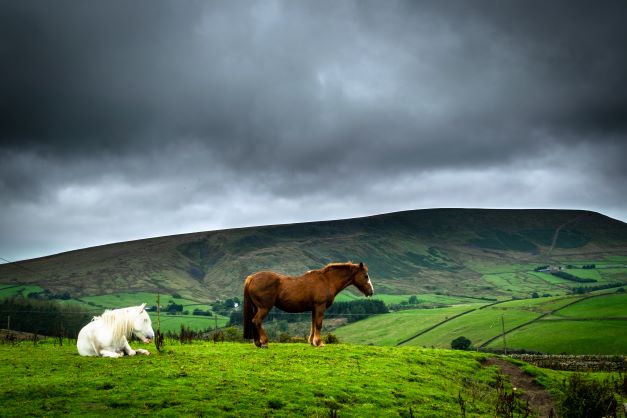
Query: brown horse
pixel 313 291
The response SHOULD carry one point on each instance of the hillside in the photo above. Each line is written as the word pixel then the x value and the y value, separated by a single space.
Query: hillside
pixel 472 252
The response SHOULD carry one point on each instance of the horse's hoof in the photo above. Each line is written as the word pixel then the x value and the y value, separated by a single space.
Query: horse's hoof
pixel 263 346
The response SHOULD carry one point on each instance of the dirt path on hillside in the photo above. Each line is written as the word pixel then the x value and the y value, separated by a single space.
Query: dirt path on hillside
pixel 539 399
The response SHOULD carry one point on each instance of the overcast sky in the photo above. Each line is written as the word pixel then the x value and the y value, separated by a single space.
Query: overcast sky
pixel 127 120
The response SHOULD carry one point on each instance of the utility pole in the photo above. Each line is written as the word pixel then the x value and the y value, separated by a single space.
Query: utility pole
pixel 9 322
pixel 158 313
pixel 503 329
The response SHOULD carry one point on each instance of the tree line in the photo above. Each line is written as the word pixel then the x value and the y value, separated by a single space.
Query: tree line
pixel 45 317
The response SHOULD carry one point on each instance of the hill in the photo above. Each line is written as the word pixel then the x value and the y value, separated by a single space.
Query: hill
pixel 470 252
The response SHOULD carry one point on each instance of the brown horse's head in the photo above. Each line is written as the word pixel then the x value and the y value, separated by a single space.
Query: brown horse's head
pixel 361 280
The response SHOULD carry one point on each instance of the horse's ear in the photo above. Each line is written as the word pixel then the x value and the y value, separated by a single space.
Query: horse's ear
pixel 361 266
pixel 141 308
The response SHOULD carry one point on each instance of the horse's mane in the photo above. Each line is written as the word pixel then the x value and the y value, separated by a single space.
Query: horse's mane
pixel 119 320
pixel 332 266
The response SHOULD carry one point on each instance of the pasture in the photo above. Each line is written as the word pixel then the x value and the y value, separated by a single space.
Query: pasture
pixel 233 379
pixel 568 320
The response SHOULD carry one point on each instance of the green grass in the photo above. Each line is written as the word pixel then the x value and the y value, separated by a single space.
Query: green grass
pixel 423 298
pixel 571 337
pixel 606 306
pixel 483 324
pixel 173 322
pixel 585 274
pixel 477 326
pixel 231 379
pixel 7 291
pixel 392 328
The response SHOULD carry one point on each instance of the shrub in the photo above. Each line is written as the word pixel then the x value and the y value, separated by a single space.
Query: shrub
pixel 460 343
pixel 587 398
pixel 331 339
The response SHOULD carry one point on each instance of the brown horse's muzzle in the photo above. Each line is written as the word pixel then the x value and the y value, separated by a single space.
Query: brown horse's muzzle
pixel 369 290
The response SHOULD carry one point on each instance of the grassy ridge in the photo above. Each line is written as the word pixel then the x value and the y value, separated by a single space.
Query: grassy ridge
pixel 232 379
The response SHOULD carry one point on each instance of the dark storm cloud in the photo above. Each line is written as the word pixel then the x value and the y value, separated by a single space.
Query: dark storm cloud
pixel 111 108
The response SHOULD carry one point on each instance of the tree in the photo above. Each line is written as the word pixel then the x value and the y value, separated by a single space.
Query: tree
pixel 413 300
pixel 460 343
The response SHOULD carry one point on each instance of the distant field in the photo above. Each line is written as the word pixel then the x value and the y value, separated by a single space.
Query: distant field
pixel 571 337
pixel 168 322
pixel 198 323
pixel 481 325
pixel 606 306
pixel 7 291
pixel 389 329
pixel 423 298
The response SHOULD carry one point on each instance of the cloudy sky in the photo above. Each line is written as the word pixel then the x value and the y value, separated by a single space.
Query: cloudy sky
pixel 126 120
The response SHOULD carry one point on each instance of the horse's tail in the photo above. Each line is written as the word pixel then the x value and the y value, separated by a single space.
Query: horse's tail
pixel 250 331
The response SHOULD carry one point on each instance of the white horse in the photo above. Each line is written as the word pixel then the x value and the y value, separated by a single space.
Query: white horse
pixel 106 335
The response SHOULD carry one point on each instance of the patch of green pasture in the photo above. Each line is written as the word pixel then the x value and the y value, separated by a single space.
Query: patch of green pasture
pixel 498 267
pixel 121 300
pixel 541 305
pixel 613 275
pixel 572 337
pixel 483 324
pixel 516 283
pixel 392 328
pixel 477 326
pixel 231 379
pixel 551 279
pixel 616 259
pixel 7 291
pixel 173 323
pixel 585 273
pixel 446 299
pixel 613 305
pixel 422 298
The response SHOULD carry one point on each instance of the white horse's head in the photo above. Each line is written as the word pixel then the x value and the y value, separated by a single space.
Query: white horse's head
pixel 142 326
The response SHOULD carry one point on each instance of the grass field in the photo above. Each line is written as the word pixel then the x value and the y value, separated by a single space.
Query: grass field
pixel 231 379
pixel 389 329
pixel 481 325
pixel 606 306
pixel 7 291
pixel 596 325
pixel 571 337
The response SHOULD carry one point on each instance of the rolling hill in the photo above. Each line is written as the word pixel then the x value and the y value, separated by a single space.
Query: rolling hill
pixel 471 252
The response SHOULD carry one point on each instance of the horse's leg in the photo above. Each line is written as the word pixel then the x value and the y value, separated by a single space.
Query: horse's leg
pixel 316 316
pixel 262 339
pixel 112 354
pixel 127 348
pixel 311 332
